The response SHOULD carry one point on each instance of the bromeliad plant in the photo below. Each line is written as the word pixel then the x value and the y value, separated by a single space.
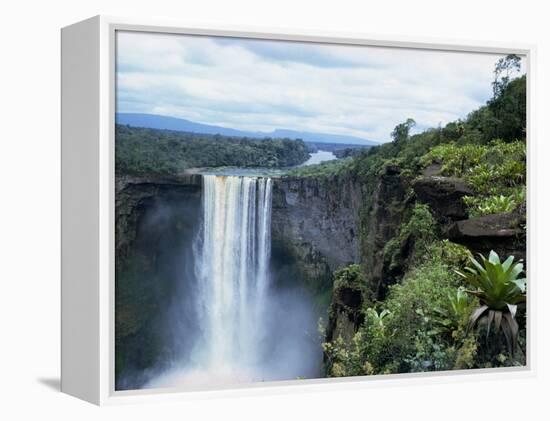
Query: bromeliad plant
pixel 449 317
pixel 500 289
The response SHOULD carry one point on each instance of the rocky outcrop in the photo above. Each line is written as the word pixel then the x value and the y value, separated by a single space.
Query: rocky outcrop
pixel 315 225
pixel 443 195
pixel 345 313
pixel 503 232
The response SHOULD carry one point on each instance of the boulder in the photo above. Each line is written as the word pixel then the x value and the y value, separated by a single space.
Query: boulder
pixel 444 196
pixel 503 232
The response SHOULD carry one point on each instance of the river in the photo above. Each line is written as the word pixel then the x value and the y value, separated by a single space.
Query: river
pixel 318 157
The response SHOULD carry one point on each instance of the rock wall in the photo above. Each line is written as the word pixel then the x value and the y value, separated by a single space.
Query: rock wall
pixel 387 204
pixel 315 227
pixel 133 195
pixel 156 220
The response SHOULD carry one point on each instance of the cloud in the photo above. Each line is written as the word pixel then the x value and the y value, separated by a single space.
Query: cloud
pixel 263 85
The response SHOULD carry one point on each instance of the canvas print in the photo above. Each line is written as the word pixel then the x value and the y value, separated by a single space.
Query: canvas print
pixel 297 210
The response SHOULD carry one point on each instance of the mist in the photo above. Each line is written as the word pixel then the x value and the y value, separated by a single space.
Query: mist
pixel 228 319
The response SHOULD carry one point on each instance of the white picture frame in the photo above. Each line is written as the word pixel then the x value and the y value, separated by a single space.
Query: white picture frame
pixel 88 110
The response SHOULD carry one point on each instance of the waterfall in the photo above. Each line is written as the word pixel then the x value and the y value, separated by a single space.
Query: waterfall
pixel 233 326
pixel 232 267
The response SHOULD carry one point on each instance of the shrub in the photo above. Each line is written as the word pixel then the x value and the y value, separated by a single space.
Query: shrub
pixel 419 231
pixel 496 172
pixel 350 276
pixel 418 327
pixel 479 206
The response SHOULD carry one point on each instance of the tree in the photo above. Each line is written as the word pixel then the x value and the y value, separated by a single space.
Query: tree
pixel 504 68
pixel 400 133
pixel 509 110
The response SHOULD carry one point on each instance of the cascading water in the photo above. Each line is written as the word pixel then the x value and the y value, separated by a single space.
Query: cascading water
pixel 232 271
pixel 240 328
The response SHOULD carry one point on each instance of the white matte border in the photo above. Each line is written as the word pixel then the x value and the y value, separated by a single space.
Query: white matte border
pixel 108 28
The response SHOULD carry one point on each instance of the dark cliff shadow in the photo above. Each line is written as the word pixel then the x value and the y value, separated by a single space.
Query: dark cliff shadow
pixel 53 383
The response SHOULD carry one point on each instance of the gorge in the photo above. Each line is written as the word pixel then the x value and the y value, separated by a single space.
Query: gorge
pixel 233 316
pixel 231 274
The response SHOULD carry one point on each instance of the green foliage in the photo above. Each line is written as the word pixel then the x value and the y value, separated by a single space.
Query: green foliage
pixel 150 151
pixel 495 171
pixel 456 160
pixel 420 326
pixel 455 255
pixel 350 277
pixel 459 303
pixel 454 313
pixel 508 111
pixel 334 168
pixel 423 322
pixel 500 289
pixel 480 205
pixel 503 71
pixel 419 232
pixel 400 133
pixel 504 117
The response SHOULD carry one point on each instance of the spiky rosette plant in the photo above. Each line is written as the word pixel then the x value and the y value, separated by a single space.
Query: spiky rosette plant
pixel 500 289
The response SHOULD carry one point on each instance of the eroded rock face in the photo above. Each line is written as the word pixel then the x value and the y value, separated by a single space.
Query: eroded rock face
pixel 315 223
pixel 156 219
pixel 346 315
pixel 444 196
pixel 387 205
pixel 133 195
pixel 503 232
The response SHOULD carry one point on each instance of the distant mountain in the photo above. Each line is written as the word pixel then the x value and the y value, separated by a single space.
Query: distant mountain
pixel 322 137
pixel 153 121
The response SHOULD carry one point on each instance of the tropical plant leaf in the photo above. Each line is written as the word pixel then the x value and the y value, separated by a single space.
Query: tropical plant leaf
pixel 515 270
pixel 493 258
pixel 514 330
pixel 507 334
pixel 490 318
pixel 498 320
pixel 521 284
pixel 500 290
pixel 507 263
pixel 478 312
pixel 512 309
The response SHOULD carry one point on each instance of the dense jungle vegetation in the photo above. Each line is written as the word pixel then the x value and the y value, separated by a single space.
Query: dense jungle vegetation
pixel 141 151
pixel 450 309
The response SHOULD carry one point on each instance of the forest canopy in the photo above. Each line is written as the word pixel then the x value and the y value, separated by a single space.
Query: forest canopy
pixel 141 151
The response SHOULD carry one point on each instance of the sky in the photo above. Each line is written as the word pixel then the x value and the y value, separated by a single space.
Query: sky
pixel 262 85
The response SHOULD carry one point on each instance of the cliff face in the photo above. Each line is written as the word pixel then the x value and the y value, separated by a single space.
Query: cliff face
pixel 315 227
pixel 156 220
pixel 321 224
pixel 502 232
pixel 387 203
pixel 386 206
pixel 134 195
pixel 318 226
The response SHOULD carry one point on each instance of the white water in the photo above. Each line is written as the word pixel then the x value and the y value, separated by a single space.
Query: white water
pixel 245 330
pixel 232 269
